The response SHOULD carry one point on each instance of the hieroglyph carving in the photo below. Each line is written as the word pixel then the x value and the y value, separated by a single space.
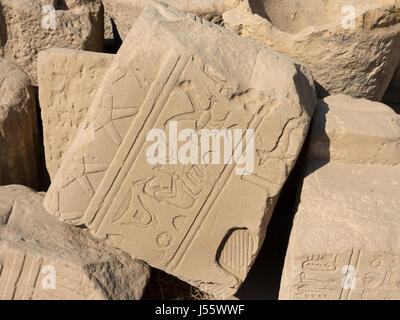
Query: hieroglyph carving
pixel 355 274
pixel 159 212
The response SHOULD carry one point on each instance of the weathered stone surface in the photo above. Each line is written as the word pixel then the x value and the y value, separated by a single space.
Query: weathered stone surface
pixel 344 242
pixel 108 28
pixel 203 223
pixel 19 137
pixel 79 24
pixel 125 12
pixel 68 81
pixel 358 61
pixel 346 227
pixel 42 258
pixel 355 130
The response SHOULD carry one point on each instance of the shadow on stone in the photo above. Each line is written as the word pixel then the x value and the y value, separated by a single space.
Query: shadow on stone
pixel 44 182
pixel 3 28
pixel 263 280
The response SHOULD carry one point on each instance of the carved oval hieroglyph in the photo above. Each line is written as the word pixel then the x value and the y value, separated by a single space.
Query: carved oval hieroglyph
pixel 237 252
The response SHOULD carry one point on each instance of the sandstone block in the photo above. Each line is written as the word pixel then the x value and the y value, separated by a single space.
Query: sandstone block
pixel 27 27
pixel 19 137
pixel 344 242
pixel 355 131
pixel 351 47
pixel 68 81
pixel 200 221
pixel 42 258
pixel 125 12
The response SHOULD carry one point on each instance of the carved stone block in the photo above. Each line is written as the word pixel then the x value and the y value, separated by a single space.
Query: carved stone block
pixel 68 81
pixel 202 222
pixel 344 242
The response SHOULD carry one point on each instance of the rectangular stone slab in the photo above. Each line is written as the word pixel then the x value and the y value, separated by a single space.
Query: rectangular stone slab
pixel 68 80
pixel 344 243
pixel 353 130
pixel 201 223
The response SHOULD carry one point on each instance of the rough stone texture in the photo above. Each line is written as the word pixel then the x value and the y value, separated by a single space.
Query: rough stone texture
pixel 19 137
pixel 79 24
pixel 34 246
pixel 202 223
pixel 348 216
pixel 125 12
pixel 359 62
pixel 344 242
pixel 68 81
pixel 355 130
pixel 108 29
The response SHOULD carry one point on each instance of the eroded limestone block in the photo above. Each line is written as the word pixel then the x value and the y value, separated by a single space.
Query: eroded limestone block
pixel 351 46
pixel 355 130
pixel 42 258
pixel 125 12
pixel 19 137
pixel 344 242
pixel 68 81
pixel 201 222
pixel 27 27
